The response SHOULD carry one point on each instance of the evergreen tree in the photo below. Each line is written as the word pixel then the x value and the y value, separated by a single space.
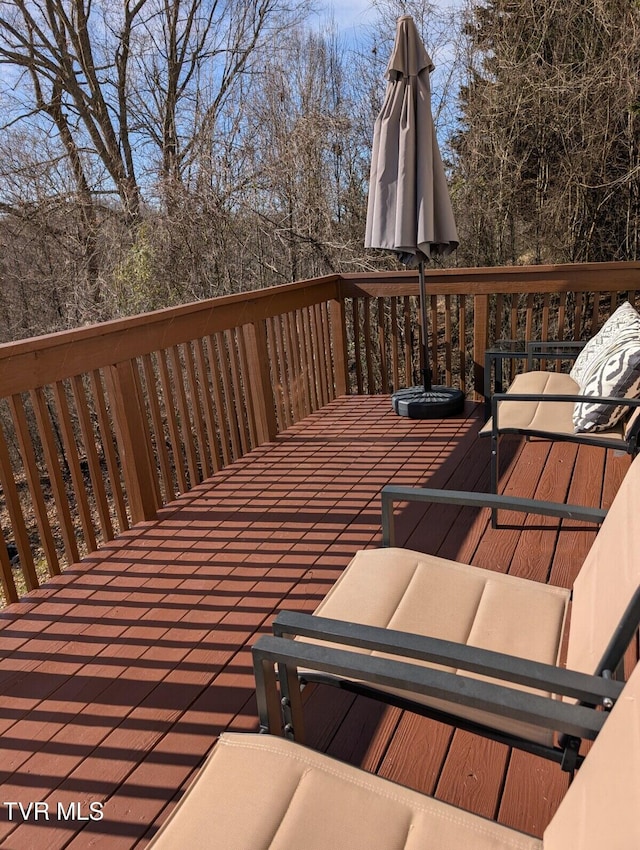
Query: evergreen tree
pixel 548 154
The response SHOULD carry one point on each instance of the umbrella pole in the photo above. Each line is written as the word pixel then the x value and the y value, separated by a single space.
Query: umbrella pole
pixel 426 368
pixel 427 401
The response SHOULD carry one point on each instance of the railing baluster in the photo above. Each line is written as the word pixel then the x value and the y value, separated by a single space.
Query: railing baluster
pixel 20 533
pixel 356 345
pixel 498 317
pixel 185 423
pixel 25 444
pixel 562 316
pixel 544 331
pixel 162 454
pixel 382 347
pixel 293 362
pixel 109 451
pixel 562 311
pixel 528 326
pixel 20 536
pixel 196 410
pixel 246 391
pixel 338 321
pixel 172 421
pixel 217 386
pixel 462 342
pixel 307 358
pixel 395 345
pixel 287 406
pixel 545 317
pixel 433 340
pixel 93 460
pixel 515 298
pixel 366 322
pixel 259 379
pixel 55 475
pixel 319 355
pixel 230 404
pixel 595 314
pixel 297 330
pixel 209 415
pixel 312 365
pixel 274 366
pixel 577 316
pixel 408 342
pixel 73 461
pixel 6 574
pixel 447 339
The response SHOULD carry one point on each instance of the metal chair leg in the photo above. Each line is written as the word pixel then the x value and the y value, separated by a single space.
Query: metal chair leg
pixel 495 473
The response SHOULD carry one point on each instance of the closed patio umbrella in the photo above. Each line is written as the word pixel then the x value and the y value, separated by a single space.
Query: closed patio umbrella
pixel 409 209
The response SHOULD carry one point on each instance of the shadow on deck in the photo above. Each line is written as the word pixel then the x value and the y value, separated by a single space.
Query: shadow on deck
pixel 117 677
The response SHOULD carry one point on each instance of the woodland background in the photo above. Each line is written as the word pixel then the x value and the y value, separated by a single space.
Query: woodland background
pixel 154 152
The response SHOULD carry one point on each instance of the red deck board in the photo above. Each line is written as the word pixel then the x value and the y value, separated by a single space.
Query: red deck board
pixel 117 677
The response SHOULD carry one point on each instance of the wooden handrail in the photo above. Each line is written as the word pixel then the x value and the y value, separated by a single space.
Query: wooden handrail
pixel 45 359
pixel 102 425
pixel 489 280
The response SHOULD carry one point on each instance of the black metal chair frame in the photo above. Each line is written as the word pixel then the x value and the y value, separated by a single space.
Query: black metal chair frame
pixel 280 711
pixel 555 350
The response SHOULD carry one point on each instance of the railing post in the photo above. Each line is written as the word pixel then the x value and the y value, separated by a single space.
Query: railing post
pixel 260 384
pixel 480 340
pixel 339 345
pixel 129 419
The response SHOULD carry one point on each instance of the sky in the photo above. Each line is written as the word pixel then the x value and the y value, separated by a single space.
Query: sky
pixel 350 15
pixel 352 20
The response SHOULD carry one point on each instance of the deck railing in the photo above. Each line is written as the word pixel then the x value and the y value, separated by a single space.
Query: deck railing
pixel 468 310
pixel 101 426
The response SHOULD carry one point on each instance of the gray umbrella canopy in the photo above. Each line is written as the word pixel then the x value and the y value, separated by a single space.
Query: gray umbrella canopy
pixel 409 209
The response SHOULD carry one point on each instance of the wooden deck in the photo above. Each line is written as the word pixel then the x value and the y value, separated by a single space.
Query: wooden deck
pixel 117 677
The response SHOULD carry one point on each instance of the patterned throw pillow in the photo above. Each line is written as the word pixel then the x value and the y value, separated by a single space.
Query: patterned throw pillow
pixel 624 317
pixel 615 371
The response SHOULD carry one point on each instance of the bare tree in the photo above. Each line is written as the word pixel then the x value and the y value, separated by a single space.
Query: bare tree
pixel 298 117
pixel 123 102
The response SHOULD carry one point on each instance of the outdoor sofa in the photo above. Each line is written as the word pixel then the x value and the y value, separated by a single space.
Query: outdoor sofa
pixel 596 403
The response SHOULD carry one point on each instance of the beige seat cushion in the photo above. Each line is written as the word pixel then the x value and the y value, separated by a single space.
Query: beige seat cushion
pixel 550 417
pixel 423 594
pixel 257 792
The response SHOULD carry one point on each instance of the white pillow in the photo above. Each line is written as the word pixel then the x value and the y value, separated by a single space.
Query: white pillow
pixel 615 371
pixel 623 318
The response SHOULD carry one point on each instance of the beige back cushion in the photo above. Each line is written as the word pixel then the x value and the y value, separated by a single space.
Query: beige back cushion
pixel 608 579
pixel 601 810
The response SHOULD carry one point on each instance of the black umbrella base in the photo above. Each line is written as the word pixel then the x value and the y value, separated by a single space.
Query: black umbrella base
pixel 439 402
